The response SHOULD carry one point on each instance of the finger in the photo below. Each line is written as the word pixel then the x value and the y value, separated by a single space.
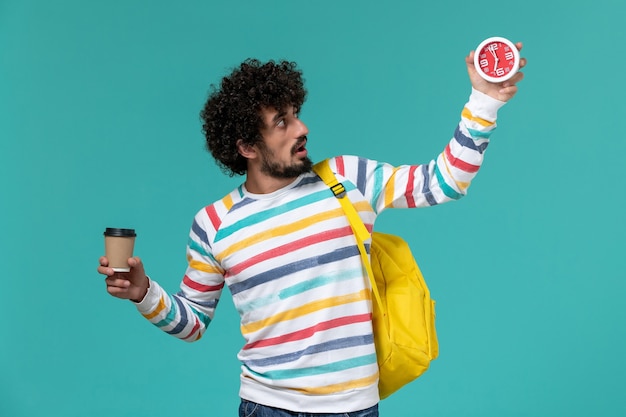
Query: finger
pixel 135 262
pixel 522 63
pixel 106 271
pixel 104 261
pixel 118 292
pixel 519 46
pixel 516 78
pixel 117 282
pixel 509 91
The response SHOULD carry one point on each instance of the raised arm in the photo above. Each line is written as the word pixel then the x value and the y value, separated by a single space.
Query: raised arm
pixel 448 176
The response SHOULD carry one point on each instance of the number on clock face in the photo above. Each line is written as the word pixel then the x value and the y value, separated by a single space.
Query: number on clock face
pixel 497 59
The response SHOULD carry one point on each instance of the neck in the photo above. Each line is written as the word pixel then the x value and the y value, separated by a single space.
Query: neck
pixel 263 184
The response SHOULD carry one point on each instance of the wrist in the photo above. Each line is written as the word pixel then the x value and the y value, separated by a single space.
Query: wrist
pixel 143 291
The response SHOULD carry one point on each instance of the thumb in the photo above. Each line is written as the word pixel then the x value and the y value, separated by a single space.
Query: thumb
pixel 135 263
pixel 138 278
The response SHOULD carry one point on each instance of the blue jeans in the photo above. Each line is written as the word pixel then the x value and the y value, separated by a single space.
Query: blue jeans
pixel 250 409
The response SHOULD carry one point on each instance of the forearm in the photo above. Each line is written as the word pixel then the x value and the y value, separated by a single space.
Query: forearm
pixel 173 314
pixel 449 175
pixel 458 164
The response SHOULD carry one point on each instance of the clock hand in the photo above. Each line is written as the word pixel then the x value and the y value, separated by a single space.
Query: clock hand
pixel 492 49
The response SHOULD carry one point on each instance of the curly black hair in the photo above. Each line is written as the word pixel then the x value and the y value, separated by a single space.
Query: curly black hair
pixel 233 111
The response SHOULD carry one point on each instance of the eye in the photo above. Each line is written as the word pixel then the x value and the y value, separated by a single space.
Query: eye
pixel 280 123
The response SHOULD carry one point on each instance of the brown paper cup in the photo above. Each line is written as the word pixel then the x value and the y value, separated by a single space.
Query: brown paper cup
pixel 118 247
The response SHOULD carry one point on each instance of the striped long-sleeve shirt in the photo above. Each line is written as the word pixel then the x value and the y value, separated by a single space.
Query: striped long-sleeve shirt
pixel 293 268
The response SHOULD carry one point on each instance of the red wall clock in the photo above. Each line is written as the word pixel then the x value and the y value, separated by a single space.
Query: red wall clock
pixel 496 59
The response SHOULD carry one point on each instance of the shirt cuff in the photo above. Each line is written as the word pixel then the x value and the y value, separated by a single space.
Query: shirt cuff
pixel 484 106
pixel 151 299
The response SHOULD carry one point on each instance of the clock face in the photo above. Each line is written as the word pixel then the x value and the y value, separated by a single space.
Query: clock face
pixel 496 59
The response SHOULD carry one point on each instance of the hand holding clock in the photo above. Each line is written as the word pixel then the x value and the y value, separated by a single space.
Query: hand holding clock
pixel 502 87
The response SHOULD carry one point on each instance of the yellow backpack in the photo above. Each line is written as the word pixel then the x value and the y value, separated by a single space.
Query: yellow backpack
pixel 403 312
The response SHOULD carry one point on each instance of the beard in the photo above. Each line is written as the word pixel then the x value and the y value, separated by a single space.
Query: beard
pixel 278 169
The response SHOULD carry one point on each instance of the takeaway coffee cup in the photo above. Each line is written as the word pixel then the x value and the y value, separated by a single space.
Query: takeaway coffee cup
pixel 118 247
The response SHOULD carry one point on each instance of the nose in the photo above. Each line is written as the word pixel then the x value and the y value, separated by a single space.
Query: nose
pixel 303 130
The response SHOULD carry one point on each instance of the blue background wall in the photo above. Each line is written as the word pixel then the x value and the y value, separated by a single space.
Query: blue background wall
pixel 99 127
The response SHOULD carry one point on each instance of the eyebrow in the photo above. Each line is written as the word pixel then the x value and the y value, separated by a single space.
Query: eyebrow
pixel 279 115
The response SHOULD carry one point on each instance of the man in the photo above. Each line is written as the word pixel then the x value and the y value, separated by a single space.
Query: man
pixel 283 246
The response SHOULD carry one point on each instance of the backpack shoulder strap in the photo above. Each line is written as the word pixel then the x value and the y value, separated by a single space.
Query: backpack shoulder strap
pixel 322 169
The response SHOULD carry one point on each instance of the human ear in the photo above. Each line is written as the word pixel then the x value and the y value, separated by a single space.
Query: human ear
pixel 246 150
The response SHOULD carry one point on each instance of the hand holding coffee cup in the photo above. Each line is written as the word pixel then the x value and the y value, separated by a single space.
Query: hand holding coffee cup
pixel 125 276
pixel 118 247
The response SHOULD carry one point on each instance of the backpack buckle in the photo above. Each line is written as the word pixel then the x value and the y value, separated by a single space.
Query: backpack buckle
pixel 339 190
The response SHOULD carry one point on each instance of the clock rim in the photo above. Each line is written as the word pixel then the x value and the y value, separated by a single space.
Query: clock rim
pixel 516 59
